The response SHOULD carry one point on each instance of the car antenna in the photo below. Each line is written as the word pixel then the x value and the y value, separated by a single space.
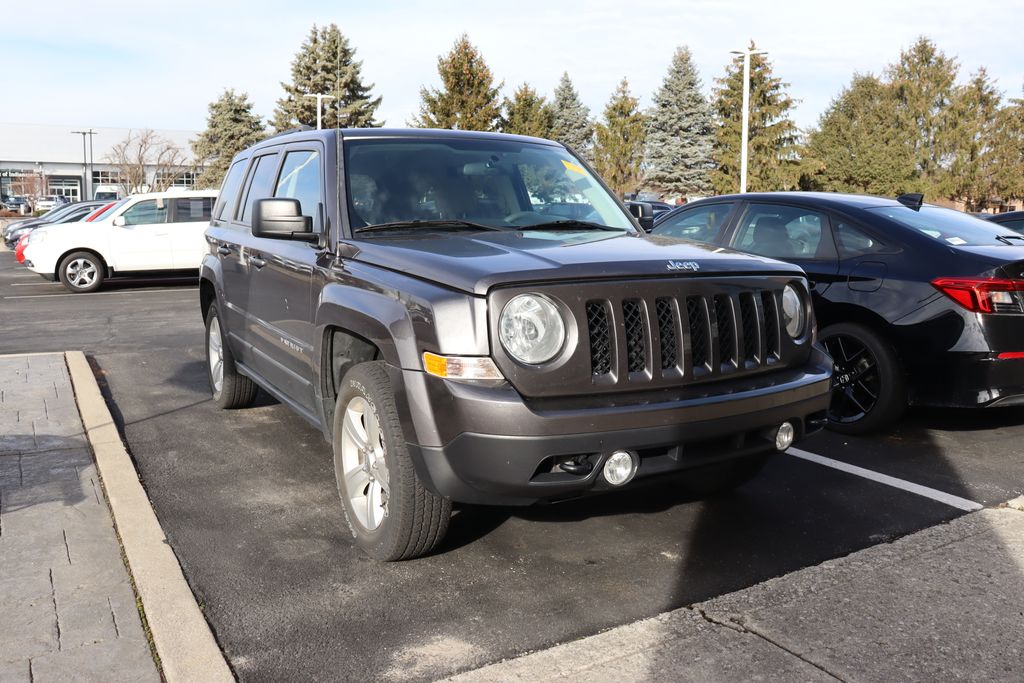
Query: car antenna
pixel 911 200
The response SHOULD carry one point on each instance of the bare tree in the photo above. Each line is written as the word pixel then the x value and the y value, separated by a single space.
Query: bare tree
pixel 140 151
pixel 31 186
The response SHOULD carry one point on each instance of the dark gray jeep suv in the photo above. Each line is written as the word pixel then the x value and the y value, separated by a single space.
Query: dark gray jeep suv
pixel 476 318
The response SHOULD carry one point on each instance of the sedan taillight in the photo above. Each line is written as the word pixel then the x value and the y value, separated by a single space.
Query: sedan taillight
pixel 983 295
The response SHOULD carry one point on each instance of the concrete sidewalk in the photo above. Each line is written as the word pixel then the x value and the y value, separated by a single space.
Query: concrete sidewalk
pixel 67 608
pixel 945 604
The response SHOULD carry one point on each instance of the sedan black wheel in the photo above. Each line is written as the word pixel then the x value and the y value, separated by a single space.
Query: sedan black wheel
pixel 868 384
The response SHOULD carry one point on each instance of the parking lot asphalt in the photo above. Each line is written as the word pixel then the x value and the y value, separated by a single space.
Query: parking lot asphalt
pixel 247 500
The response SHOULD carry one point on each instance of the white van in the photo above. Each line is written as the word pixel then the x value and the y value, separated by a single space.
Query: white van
pixel 159 231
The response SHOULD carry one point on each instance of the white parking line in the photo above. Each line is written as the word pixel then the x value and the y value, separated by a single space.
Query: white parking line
pixel 188 290
pixel 903 484
pixel 41 283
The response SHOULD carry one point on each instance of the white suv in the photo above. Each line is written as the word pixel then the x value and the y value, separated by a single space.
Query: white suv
pixel 159 231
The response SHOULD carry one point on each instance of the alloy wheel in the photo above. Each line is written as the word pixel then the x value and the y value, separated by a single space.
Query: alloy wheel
pixel 364 468
pixel 81 273
pixel 215 353
pixel 856 382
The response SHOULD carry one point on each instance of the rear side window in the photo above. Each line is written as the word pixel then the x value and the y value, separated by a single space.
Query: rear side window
pixel 701 223
pixel 782 232
pixel 229 189
pixel 193 209
pixel 259 185
pixel 146 213
pixel 300 179
pixel 854 242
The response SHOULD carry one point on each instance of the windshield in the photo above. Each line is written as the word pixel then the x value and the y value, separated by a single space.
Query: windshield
pixel 500 184
pixel 100 214
pixel 946 225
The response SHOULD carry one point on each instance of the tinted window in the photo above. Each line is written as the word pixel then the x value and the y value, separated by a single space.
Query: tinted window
pixel 701 223
pixel 193 209
pixel 229 188
pixel 260 183
pixel 1016 224
pixel 781 231
pixel 300 179
pixel 947 226
pixel 854 242
pixel 146 212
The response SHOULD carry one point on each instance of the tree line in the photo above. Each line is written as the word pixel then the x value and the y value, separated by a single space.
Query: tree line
pixel 913 128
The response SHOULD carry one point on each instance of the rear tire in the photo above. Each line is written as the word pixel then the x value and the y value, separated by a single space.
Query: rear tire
pixel 82 272
pixel 391 515
pixel 230 388
pixel 869 384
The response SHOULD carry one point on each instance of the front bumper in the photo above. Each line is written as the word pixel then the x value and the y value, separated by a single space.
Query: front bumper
pixel 485 444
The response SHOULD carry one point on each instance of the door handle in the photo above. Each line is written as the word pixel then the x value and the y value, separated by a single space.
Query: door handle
pixel 224 250
pixel 257 261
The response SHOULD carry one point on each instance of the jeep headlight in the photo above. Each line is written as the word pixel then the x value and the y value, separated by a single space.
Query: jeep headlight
pixel 531 329
pixel 794 312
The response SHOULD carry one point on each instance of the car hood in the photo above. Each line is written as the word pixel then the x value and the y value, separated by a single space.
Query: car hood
pixel 477 262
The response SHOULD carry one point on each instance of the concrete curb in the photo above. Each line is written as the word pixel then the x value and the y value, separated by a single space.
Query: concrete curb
pixel 183 640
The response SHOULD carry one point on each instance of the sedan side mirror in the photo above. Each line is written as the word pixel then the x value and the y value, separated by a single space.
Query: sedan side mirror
pixel 281 219
pixel 119 221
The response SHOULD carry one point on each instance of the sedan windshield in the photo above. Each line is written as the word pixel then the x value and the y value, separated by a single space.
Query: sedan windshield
pixel 404 185
pixel 951 227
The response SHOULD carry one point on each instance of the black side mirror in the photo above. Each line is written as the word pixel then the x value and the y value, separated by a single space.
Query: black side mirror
pixel 281 219
pixel 644 214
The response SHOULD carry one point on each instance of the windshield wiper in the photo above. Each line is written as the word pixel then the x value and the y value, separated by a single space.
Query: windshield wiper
pixel 453 224
pixel 1005 239
pixel 569 224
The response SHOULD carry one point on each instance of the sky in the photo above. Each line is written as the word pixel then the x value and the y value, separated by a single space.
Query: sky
pixel 141 65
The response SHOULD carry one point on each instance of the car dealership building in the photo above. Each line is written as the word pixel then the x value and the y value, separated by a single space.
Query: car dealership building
pixel 57 160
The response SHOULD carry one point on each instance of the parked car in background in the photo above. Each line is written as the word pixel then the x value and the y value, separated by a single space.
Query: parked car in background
pixel 46 203
pixel 107 192
pixel 104 210
pixel 19 248
pixel 1014 220
pixel 66 214
pixel 917 304
pixel 16 204
pixel 160 231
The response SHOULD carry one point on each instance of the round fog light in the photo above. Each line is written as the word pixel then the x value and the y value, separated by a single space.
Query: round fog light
pixel 619 468
pixel 784 437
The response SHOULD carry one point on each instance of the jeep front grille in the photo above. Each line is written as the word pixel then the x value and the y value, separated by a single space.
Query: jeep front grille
pixel 720 335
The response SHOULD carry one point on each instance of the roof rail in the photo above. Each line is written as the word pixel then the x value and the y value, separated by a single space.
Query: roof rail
pixel 298 129
pixel 911 200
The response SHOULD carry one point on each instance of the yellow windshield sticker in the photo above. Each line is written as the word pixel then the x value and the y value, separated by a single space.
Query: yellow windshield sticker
pixel 573 167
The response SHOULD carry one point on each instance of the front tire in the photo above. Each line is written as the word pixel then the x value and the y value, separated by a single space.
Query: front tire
pixel 391 515
pixel 869 385
pixel 230 388
pixel 81 272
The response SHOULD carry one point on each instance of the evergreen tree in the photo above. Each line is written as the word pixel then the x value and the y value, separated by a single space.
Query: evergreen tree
pixel 326 64
pixel 468 98
pixel 527 113
pixel 924 82
pixel 856 147
pixel 679 132
pixel 773 163
pixel 571 119
pixel 619 141
pixel 1008 151
pixel 974 124
pixel 231 127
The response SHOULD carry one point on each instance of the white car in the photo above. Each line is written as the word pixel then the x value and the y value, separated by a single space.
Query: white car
pixel 159 231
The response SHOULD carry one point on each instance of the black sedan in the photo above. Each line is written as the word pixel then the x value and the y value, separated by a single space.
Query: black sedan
pixel 917 304
pixel 1014 220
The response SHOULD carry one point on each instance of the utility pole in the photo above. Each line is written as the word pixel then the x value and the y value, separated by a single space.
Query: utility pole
pixel 319 105
pixel 86 161
pixel 747 54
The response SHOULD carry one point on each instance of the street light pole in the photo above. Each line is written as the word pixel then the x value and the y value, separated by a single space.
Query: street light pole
pixel 319 105
pixel 745 136
pixel 86 160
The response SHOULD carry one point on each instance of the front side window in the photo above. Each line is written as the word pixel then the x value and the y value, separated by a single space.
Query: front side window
pixel 497 183
pixel 146 212
pixel 229 188
pixel 259 186
pixel 700 223
pixel 193 209
pixel 300 179
pixel 782 232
